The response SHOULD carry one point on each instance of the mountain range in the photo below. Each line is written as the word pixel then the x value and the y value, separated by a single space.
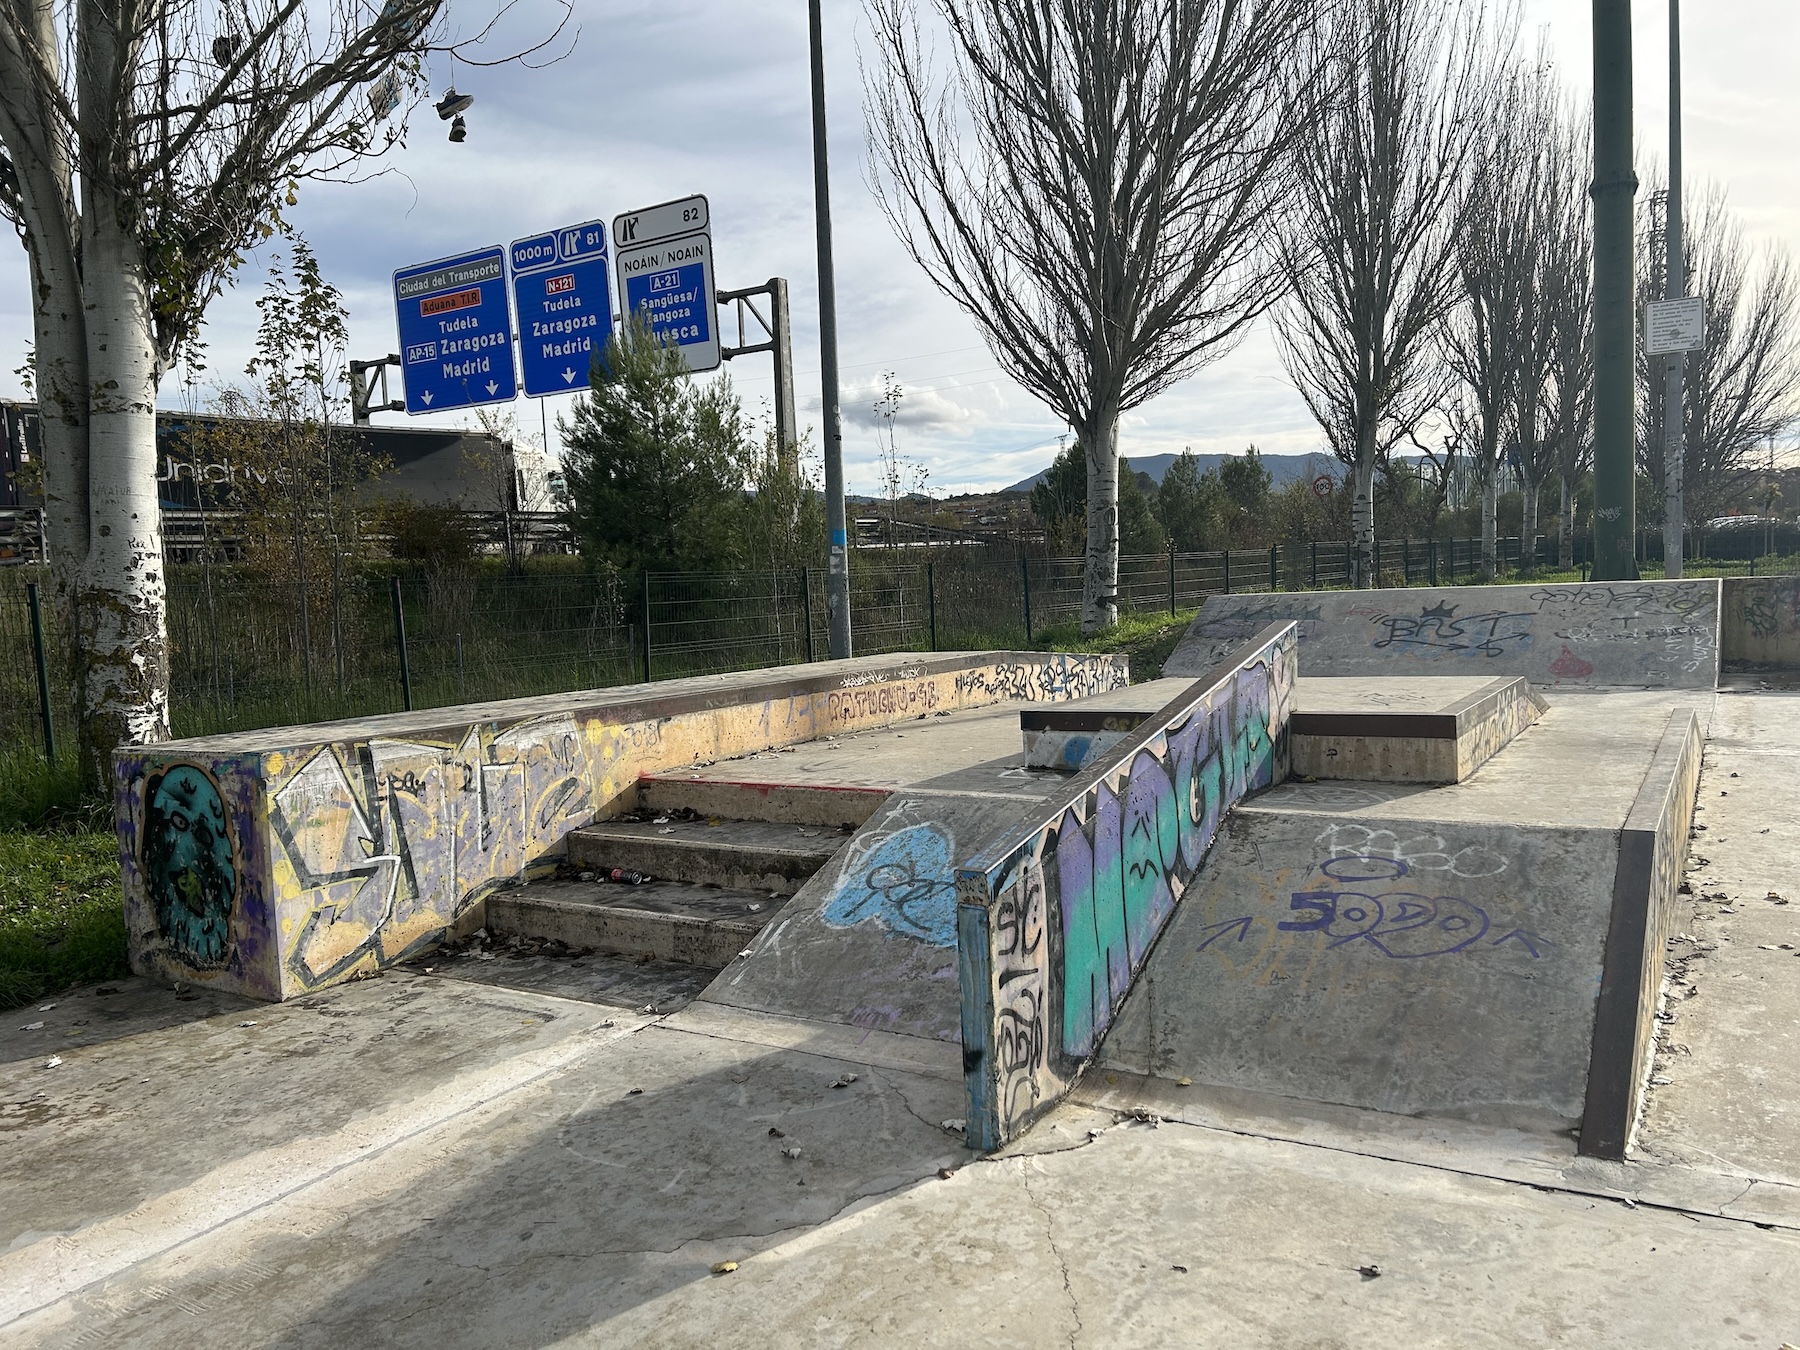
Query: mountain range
pixel 1282 469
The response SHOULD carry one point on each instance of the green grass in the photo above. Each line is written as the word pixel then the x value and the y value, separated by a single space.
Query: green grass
pixel 61 918
pixel 1147 638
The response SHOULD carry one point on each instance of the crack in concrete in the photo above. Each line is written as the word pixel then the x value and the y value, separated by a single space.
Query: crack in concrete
pixel 1062 1261
pixel 1548 1187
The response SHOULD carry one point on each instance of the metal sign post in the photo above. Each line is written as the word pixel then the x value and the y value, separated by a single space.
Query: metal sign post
pixel 563 298
pixel 1674 449
pixel 779 345
pixel 1615 366
pixel 666 272
pixel 455 332
pixel 360 389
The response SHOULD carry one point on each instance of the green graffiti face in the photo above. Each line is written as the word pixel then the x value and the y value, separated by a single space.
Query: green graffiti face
pixel 189 864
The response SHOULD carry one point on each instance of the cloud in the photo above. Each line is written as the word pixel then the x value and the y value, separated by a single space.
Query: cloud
pixel 919 409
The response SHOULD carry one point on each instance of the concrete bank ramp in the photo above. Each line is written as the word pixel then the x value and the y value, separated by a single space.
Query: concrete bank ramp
pixel 1489 950
pixel 1640 634
pixel 870 940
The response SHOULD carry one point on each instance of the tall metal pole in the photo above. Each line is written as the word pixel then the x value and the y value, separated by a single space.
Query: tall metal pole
pixel 1615 332
pixel 837 581
pixel 1674 432
pixel 787 421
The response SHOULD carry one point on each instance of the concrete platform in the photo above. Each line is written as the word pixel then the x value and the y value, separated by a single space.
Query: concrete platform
pixel 1407 730
pixel 1392 729
pixel 1588 635
pixel 282 861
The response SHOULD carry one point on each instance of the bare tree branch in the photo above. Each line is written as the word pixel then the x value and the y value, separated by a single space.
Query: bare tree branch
pixel 1094 184
pixel 1371 253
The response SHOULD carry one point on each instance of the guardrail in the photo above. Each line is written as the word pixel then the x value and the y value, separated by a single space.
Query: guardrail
pixel 1055 919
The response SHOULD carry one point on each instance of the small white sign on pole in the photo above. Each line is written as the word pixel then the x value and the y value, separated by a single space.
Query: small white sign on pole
pixel 1672 326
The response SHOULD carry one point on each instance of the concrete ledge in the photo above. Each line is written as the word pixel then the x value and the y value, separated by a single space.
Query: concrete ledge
pixel 273 863
pixel 1056 918
pixel 1653 850
pixel 1445 745
pixel 1586 635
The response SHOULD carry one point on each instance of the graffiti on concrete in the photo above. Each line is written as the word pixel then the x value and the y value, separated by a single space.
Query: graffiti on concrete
pixel 190 862
pixel 1437 631
pixel 903 881
pixel 1426 851
pixel 1066 677
pixel 1056 925
pixel 1379 891
pixel 351 852
pixel 389 841
pixel 914 698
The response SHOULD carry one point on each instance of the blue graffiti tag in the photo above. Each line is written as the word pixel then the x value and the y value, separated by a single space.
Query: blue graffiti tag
pixel 190 866
pixel 905 883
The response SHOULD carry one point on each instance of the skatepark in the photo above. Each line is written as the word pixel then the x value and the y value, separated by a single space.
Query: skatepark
pixel 1402 967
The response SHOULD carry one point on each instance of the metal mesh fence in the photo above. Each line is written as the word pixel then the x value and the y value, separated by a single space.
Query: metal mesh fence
pixel 249 651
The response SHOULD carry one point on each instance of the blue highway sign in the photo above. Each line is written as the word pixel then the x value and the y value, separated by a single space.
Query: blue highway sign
pixel 563 296
pixel 455 332
pixel 666 271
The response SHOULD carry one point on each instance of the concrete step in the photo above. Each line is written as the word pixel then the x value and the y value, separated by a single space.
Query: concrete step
pixel 752 855
pixel 749 799
pixel 662 920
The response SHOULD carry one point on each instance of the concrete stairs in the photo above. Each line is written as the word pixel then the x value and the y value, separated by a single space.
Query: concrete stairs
pixel 723 857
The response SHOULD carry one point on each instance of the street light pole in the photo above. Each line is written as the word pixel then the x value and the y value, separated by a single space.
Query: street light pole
pixel 837 581
pixel 1674 430
pixel 1615 330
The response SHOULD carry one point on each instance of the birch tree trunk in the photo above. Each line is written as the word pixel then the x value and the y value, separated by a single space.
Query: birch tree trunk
pixel 1100 581
pixel 120 595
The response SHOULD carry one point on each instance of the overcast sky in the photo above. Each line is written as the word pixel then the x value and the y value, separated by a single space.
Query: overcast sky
pixel 658 100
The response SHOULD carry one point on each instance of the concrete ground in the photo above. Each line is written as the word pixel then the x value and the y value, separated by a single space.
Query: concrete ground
pixel 519 1152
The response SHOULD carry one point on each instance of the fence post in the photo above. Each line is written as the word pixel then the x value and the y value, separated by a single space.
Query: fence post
pixel 1314 550
pixel 1171 580
pixel 1274 567
pixel 34 594
pixel 400 641
pixel 646 625
pixel 931 600
pixel 1025 578
pixel 1433 560
pixel 1227 571
pixel 806 603
pixel 1406 561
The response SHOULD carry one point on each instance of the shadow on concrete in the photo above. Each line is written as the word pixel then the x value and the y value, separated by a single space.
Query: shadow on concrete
pixel 615 981
pixel 587 1199
pixel 101 1013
